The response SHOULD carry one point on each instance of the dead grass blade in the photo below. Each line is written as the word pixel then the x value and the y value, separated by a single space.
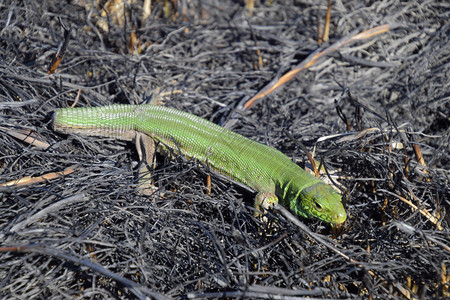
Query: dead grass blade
pixel 314 58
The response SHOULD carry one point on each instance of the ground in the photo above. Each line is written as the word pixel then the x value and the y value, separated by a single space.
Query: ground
pixel 376 112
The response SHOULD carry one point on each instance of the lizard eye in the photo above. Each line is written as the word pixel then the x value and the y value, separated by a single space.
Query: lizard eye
pixel 318 206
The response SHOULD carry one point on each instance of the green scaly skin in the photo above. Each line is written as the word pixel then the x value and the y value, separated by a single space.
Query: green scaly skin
pixel 268 171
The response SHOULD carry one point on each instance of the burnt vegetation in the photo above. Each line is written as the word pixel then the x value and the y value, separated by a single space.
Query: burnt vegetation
pixel 375 111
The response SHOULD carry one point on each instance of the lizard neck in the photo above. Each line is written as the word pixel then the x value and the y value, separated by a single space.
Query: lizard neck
pixel 290 186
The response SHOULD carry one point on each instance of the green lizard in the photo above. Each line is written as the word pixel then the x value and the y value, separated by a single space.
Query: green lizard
pixel 264 169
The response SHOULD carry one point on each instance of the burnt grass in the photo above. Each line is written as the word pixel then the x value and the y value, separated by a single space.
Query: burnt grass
pixel 91 234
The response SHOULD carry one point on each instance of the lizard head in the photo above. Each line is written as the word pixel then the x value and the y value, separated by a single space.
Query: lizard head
pixel 320 201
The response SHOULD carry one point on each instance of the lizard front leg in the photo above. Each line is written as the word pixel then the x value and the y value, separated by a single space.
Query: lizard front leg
pixel 264 201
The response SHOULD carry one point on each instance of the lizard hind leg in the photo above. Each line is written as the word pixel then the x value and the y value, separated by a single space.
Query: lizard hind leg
pixel 146 148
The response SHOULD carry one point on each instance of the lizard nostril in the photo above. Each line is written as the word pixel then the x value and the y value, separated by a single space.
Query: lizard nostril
pixel 340 217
